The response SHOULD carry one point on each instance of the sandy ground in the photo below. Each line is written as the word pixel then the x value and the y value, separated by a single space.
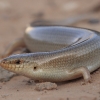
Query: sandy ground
pixel 15 15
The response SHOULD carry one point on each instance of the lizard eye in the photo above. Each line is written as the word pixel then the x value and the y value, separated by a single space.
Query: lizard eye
pixel 19 61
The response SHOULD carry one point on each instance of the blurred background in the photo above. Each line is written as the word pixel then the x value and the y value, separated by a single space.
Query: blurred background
pixel 16 15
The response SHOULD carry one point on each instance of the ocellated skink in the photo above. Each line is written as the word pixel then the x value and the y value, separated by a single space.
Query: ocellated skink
pixel 64 53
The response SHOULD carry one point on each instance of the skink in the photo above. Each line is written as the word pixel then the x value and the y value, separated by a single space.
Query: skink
pixel 65 53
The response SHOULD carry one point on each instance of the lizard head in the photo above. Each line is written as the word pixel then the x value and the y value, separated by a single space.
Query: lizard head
pixel 24 64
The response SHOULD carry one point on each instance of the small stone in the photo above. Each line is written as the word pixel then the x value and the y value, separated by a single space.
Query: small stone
pixel 45 86
pixel 29 82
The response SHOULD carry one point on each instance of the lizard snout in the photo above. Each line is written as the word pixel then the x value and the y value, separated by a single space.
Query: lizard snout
pixel 4 63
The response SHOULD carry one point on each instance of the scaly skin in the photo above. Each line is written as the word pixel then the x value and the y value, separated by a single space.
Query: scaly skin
pixel 64 64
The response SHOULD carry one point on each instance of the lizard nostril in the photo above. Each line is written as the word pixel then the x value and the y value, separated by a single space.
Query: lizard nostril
pixel 2 62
